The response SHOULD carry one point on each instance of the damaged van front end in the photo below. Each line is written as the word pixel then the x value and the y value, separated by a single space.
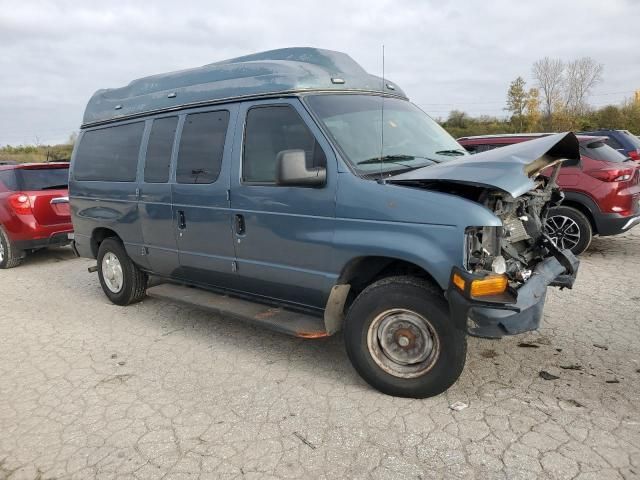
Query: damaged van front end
pixel 500 286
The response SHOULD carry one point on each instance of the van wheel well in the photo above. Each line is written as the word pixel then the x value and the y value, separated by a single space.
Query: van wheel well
pixel 582 209
pixel 362 272
pixel 98 236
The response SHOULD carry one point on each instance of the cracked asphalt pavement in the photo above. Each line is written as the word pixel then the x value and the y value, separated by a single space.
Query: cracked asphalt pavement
pixel 157 390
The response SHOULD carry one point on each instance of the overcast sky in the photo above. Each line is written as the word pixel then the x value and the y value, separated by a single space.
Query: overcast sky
pixel 445 54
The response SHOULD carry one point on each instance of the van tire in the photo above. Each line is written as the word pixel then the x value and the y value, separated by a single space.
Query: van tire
pixel 580 221
pixel 11 256
pixel 133 285
pixel 391 301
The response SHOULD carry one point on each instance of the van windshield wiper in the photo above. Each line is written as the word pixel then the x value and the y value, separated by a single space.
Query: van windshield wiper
pixel 395 158
pixel 387 159
pixel 454 152
pixel 55 187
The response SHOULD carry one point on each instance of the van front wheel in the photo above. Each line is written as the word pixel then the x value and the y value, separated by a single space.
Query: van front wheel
pixel 121 279
pixel 401 341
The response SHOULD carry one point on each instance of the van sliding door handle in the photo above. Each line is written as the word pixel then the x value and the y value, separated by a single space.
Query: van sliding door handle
pixel 182 223
pixel 240 226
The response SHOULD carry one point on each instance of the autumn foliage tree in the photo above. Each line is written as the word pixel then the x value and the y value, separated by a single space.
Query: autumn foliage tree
pixel 532 110
pixel 517 101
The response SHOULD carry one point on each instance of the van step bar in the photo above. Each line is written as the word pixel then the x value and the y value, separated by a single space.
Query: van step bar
pixel 278 319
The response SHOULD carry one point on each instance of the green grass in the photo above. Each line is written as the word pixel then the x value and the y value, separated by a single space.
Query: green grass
pixel 37 154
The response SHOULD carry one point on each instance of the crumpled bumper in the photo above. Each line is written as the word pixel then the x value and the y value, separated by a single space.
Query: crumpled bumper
pixel 494 320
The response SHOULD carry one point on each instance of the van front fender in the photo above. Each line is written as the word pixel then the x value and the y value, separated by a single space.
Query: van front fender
pixel 433 248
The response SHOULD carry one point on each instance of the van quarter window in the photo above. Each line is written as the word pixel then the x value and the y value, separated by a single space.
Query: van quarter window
pixel 109 154
pixel 269 130
pixel 163 131
pixel 201 147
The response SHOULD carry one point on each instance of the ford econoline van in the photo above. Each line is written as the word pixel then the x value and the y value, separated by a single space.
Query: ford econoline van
pixel 300 192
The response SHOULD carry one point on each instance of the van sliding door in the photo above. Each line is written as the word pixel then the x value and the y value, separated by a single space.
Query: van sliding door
pixel 202 220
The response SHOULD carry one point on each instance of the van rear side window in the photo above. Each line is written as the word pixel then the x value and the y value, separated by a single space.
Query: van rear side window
pixel 156 168
pixel 109 154
pixel 201 147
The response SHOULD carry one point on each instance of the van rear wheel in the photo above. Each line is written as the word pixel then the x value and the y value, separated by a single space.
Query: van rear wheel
pixel 400 339
pixel 121 279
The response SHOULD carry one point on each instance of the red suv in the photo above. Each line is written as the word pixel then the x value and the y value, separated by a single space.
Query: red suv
pixel 34 209
pixel 602 193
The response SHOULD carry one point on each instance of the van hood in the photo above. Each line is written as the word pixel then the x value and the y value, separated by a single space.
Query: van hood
pixel 512 168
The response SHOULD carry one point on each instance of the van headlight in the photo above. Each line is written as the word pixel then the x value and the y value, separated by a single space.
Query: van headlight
pixel 482 249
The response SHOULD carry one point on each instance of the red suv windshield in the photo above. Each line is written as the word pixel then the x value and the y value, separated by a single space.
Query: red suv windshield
pixel 30 179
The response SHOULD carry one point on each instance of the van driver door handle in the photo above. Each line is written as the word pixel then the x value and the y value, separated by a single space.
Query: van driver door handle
pixel 182 223
pixel 239 224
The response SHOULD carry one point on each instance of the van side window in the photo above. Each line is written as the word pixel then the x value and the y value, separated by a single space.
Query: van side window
pixel 268 131
pixel 109 154
pixel 201 147
pixel 157 164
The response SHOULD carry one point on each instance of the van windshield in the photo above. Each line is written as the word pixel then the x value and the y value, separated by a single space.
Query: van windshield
pixel 411 138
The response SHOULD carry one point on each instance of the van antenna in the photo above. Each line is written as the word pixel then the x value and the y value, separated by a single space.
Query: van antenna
pixel 382 120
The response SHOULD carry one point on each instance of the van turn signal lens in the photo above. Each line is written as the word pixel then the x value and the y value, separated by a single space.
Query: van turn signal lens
pixel 458 281
pixel 489 285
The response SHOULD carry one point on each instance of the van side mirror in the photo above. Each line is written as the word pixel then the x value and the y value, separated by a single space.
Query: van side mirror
pixel 291 169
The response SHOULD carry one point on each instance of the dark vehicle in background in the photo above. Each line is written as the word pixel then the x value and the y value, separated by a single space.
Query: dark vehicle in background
pixel 623 141
pixel 262 179
pixel 34 209
pixel 602 193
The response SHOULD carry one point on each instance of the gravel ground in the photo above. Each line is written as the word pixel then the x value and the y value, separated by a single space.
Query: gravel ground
pixel 156 390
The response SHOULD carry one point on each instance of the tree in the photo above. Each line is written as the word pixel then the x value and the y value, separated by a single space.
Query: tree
pixel 610 117
pixel 532 110
pixel 549 74
pixel 72 138
pixel 517 101
pixel 581 76
pixel 562 119
pixel 457 119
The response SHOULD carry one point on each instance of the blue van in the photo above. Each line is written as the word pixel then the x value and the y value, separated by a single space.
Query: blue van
pixel 302 193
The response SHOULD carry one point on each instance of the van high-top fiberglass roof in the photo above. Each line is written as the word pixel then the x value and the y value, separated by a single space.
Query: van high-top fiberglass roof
pixel 275 72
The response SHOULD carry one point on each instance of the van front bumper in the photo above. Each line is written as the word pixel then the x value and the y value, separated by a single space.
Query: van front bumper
pixel 522 312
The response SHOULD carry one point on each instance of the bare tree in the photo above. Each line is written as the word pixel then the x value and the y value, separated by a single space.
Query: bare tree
pixel 581 76
pixel 549 74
